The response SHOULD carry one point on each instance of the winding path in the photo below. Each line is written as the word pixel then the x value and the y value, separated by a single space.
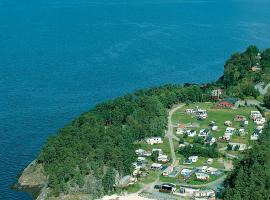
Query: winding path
pixel 170 134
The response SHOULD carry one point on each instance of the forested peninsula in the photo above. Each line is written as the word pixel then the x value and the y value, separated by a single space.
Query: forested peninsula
pixel 90 154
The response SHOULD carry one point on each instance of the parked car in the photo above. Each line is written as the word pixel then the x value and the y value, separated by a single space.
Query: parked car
pixel 157 187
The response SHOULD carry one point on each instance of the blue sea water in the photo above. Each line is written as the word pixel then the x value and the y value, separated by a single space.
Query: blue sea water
pixel 59 58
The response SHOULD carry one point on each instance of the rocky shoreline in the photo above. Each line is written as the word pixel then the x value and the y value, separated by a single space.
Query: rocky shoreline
pixel 33 181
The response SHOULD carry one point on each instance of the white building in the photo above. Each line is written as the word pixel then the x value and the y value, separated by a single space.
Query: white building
pixel 242 131
pixel 204 194
pixel 202 176
pixel 154 140
pixel 255 114
pixel 254 137
pixel 202 114
pixel 180 131
pixel 226 137
pixel 141 153
pixel 229 131
pixel 202 169
pixel 211 170
pixel 214 128
pixel 227 123
pixel 209 161
pixel 190 111
pixel 212 141
pixel 156 166
pixel 260 120
pixel 163 158
pixel 186 172
pixel 204 133
pixel 191 133
pixel 256 134
pixel 193 159
pixel 182 145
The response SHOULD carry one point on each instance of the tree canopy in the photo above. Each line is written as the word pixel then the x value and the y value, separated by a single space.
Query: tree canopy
pixel 100 143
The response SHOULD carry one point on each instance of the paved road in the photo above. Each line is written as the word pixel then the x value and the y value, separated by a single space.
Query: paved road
pixel 170 134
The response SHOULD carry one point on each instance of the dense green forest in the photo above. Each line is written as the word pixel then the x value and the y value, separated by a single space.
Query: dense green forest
pixel 250 180
pixel 243 70
pixel 89 154
pixel 100 143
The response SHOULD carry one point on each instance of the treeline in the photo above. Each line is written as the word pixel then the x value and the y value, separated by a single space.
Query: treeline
pixel 250 179
pixel 207 151
pixel 88 154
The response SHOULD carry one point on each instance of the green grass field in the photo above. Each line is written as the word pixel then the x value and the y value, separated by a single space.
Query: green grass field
pixel 217 115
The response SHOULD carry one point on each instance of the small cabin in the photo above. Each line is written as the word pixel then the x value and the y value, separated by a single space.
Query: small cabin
pixel 156 166
pixel 186 172
pixel 227 103
pixel 163 158
pixel 229 131
pixel 255 114
pixel 260 120
pixel 204 194
pixel 204 133
pixel 202 176
pixel 154 140
pixel 191 133
pixel 193 159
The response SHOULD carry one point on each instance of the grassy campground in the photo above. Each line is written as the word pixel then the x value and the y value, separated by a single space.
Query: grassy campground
pixel 219 116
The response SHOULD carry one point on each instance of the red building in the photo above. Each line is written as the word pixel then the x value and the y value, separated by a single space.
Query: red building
pixel 227 103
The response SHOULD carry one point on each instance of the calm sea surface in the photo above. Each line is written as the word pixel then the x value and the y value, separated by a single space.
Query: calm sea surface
pixel 59 58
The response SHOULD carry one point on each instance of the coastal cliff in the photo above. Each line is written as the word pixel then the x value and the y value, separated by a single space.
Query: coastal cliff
pixel 33 176
pixel 33 180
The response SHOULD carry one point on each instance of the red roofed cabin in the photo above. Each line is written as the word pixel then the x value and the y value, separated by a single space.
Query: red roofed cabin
pixel 227 103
